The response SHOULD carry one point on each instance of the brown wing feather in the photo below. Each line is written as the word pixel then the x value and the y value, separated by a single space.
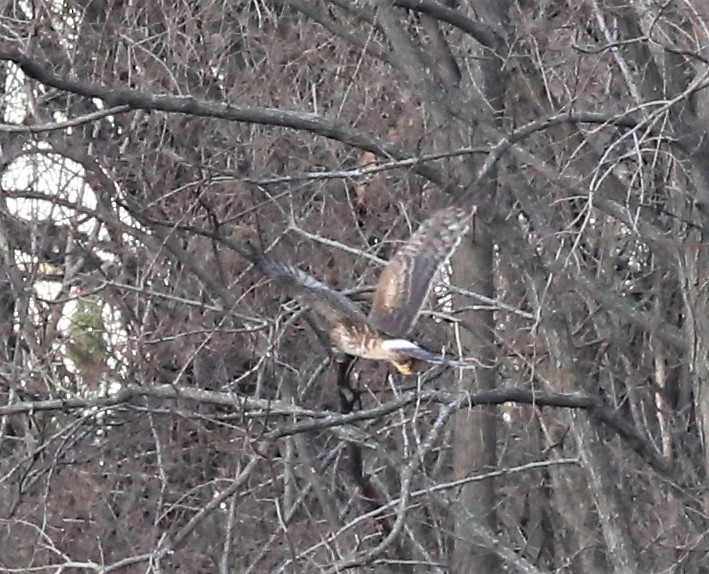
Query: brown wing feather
pixel 332 305
pixel 406 280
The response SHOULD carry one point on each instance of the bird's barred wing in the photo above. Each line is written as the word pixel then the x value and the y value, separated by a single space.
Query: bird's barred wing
pixel 331 305
pixel 406 281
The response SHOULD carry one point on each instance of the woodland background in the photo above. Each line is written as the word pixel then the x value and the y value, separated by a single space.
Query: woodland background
pixel 164 409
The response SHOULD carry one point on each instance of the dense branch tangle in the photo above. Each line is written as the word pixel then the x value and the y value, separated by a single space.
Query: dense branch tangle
pixel 158 382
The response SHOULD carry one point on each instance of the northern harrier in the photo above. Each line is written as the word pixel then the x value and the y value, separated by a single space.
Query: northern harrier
pixel 401 292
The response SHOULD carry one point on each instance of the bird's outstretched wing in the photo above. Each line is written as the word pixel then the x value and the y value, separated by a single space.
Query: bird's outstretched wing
pixel 406 281
pixel 331 305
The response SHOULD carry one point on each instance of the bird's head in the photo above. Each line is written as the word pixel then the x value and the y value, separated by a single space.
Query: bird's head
pixel 404 352
pixel 407 365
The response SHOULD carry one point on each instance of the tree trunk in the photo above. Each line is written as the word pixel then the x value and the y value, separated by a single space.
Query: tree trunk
pixel 475 430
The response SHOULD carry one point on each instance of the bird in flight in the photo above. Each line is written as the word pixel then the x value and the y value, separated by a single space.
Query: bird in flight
pixel 401 292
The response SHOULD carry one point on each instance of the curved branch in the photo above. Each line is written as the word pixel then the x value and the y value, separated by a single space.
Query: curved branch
pixel 137 99
pixel 486 35
pixel 250 407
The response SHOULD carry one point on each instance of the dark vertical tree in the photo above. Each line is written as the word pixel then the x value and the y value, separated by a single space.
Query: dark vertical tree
pixel 163 407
